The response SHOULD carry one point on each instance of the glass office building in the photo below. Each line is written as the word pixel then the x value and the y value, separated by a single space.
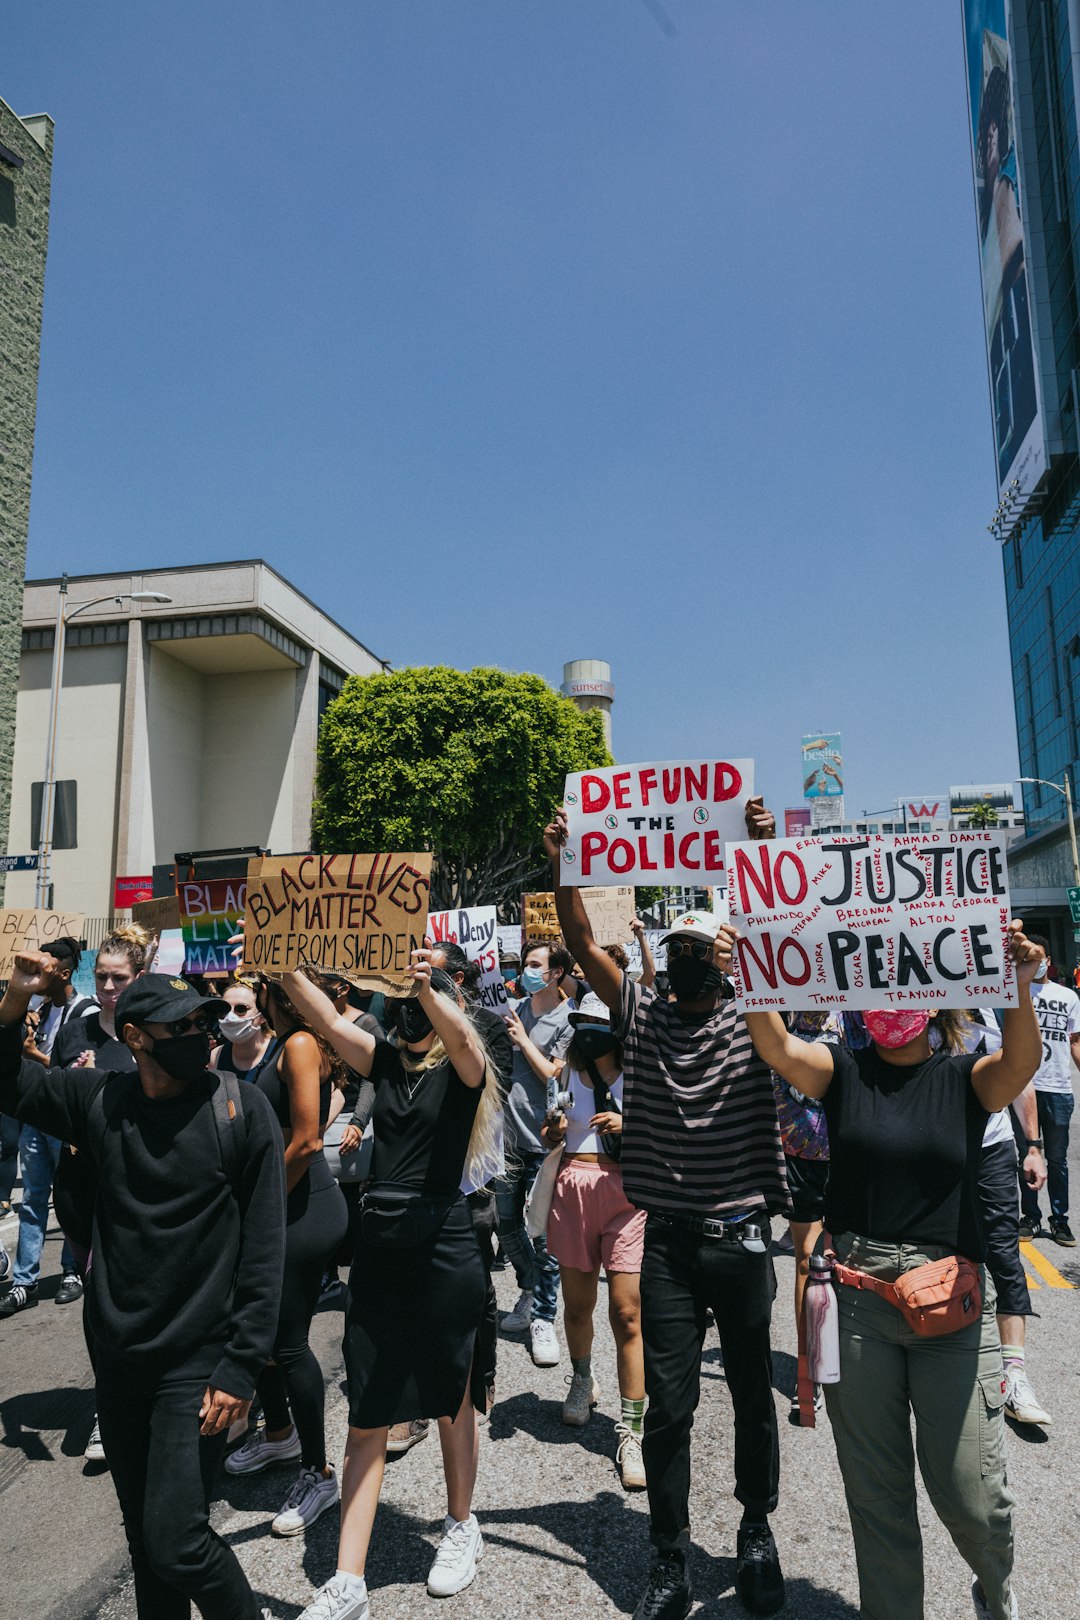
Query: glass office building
pixel 1024 89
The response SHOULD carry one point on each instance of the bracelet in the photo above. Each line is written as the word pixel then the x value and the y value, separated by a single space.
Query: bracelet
pixel 1033 1142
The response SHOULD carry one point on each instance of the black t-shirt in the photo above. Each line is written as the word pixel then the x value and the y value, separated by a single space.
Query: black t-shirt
pixel 496 1035
pixel 422 1125
pixel 75 1184
pixel 905 1143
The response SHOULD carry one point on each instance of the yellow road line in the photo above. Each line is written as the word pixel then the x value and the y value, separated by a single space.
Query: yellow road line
pixel 1031 1281
pixel 1050 1274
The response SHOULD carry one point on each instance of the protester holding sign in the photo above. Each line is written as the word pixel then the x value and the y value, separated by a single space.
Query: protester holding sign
pixel 417 1286
pixel 906 1126
pixel 298 1082
pixel 183 1290
pixel 701 1154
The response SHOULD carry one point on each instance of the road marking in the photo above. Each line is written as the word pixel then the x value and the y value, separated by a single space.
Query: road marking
pixel 1031 1281
pixel 1050 1274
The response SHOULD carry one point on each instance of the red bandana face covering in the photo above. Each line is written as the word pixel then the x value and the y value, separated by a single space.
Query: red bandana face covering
pixel 895 1029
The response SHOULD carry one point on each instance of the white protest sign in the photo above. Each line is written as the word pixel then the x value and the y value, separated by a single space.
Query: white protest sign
pixel 665 823
pixel 474 929
pixel 509 936
pixel 659 952
pixel 872 921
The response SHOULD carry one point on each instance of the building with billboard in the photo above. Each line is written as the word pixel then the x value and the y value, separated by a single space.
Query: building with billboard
pixel 1023 77
pixel 939 812
pixel 186 723
pixel 26 146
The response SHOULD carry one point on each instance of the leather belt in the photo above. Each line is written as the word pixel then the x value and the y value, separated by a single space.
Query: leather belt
pixel 708 1226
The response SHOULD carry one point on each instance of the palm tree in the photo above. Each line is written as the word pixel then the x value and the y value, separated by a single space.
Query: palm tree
pixel 982 815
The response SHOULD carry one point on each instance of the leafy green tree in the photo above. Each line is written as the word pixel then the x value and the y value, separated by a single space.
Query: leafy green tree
pixel 982 815
pixel 467 763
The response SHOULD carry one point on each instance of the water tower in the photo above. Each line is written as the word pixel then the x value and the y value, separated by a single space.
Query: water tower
pixel 587 681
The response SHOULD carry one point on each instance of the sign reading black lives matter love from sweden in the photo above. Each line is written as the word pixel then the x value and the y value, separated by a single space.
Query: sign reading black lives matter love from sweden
pixel 663 823
pixel 871 922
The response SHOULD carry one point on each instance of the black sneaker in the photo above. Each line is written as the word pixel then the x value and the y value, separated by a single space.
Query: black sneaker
pixel 1031 1229
pixel 70 1289
pixel 758 1577
pixel 18 1298
pixel 667 1594
pixel 1061 1232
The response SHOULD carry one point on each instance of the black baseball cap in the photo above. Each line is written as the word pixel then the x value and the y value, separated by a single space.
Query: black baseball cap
pixel 155 998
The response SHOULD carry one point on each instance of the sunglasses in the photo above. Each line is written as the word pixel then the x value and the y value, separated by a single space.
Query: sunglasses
pixel 195 1024
pixel 700 949
pixel 242 1008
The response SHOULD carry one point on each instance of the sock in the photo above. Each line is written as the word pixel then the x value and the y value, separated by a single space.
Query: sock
pixel 1013 1356
pixel 355 1585
pixel 633 1415
pixel 582 1365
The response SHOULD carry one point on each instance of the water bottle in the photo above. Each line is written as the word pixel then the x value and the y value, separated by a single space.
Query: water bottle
pixel 822 1323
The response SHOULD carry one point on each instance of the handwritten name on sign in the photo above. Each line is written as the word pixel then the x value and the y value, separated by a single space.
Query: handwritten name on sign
pixel 475 930
pixel 871 922
pixel 358 915
pixel 665 823
pixel 31 930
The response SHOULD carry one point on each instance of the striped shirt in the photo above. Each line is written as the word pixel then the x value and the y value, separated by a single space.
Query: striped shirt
pixel 700 1132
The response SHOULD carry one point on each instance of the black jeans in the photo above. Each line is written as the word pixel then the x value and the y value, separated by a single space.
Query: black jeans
pixel 681 1275
pixel 482 1209
pixel 164 1472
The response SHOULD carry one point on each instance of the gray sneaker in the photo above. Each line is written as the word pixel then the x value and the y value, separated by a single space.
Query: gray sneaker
pixel 583 1395
pixel 313 1495
pixel 333 1602
pixel 982 1608
pixel 1021 1402
pixel 517 1320
pixel 258 1452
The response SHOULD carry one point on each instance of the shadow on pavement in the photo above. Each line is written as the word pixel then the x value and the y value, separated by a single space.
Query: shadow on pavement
pixel 23 1417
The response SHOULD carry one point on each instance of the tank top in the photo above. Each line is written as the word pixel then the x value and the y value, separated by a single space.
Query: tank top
pixel 269 1081
pixel 580 1137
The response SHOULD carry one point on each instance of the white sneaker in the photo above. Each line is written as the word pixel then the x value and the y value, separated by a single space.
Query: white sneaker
pixel 1020 1401
pixel 978 1597
pixel 309 1498
pixel 5 1264
pixel 545 1346
pixel 628 1459
pixel 517 1320
pixel 259 1452
pixel 95 1451
pixel 583 1396
pixel 334 1602
pixel 460 1550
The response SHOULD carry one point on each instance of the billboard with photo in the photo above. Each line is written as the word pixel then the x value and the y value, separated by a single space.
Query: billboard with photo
pixel 999 795
pixel 1020 447
pixel 823 766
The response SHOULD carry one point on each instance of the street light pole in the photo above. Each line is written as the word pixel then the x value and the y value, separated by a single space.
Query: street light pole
pixel 1072 832
pixel 48 792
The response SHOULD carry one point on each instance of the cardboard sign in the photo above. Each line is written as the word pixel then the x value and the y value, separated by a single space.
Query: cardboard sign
pixel 540 921
pixel 30 930
pixel 871 921
pixel 509 939
pixel 475 930
pixel 128 890
pixel 665 823
pixel 210 911
pixel 611 913
pixel 157 915
pixel 358 915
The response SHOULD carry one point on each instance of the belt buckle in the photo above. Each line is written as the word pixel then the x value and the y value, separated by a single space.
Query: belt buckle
pixel 711 1227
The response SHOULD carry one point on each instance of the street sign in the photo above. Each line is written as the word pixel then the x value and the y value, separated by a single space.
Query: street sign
pixel 1074 896
pixel 29 863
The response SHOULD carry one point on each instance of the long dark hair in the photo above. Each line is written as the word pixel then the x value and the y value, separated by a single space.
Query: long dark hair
pixel 276 995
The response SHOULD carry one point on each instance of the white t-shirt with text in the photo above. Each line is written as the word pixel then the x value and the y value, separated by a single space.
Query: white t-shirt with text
pixel 1058 1012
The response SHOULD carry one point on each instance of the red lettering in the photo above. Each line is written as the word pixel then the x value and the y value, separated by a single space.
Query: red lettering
pixel 789 977
pixel 595 794
pixel 799 894
pixel 763 882
pixel 684 859
pixel 766 968
pixel 625 851
pixel 673 785
pixel 643 855
pixel 714 855
pixel 727 782
pixel 697 783
pixel 592 844
pixel 622 792
pixel 646 784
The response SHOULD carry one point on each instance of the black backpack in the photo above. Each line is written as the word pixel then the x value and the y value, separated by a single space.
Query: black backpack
pixel 225 1100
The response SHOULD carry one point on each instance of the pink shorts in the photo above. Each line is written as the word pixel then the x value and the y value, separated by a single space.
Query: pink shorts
pixel 592 1223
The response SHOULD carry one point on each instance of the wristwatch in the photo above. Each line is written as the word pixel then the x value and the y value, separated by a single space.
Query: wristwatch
pixel 1033 1142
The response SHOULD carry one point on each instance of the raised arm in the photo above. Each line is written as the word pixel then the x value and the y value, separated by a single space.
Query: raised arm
pixel 450 1024
pixel 1001 1076
pixel 354 1045
pixel 648 962
pixel 808 1066
pixel 600 971
pixel 55 1100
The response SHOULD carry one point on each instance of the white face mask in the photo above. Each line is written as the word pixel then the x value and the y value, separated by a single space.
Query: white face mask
pixel 236 1029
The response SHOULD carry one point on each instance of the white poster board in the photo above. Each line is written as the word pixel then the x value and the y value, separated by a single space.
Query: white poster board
pixel 666 823
pixel 871 921
pixel 475 930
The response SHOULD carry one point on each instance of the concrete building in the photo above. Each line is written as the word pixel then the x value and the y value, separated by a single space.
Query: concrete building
pixel 587 681
pixel 185 725
pixel 26 146
pixel 929 812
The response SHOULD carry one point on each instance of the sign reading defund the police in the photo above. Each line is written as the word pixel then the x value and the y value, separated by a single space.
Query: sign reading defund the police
pixel 871 922
pixel 475 930
pixel 665 823
pixel 358 915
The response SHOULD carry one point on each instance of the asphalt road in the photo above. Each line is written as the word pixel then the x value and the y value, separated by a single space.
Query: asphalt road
pixel 562 1537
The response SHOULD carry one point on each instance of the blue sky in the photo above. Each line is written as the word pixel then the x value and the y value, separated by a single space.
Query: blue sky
pixel 514 331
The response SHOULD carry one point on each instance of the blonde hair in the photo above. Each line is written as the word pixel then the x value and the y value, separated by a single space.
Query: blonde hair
pixel 952 1027
pixel 130 940
pixel 482 1160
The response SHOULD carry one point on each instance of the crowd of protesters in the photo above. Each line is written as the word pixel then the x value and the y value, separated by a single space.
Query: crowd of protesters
pixel 214 1160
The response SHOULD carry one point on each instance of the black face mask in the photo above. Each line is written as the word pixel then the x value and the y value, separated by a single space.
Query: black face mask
pixel 594 1043
pixel 411 1022
pixel 692 979
pixel 184 1057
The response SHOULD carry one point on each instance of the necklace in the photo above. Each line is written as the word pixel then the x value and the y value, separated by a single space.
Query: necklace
pixel 414 1088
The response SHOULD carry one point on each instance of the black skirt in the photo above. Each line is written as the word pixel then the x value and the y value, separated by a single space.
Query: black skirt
pixel 411 1325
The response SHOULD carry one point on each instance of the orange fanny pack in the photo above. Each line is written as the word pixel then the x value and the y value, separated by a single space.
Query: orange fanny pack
pixel 934 1299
